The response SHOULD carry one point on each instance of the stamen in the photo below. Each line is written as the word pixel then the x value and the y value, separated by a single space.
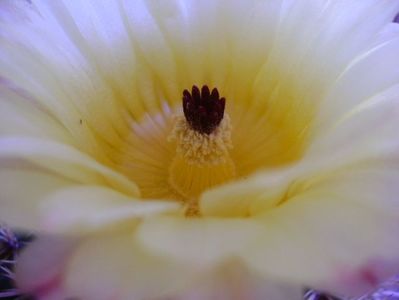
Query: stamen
pixel 202 149
pixel 203 142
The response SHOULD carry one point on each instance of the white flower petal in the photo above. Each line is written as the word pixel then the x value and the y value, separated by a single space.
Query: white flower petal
pixel 113 266
pixel 21 115
pixel 65 161
pixel 199 242
pixel 322 230
pixel 331 35
pixel 368 131
pixel 52 68
pixel 22 190
pixel 143 28
pixel 337 224
pixel 79 209
pixel 251 196
pixel 390 32
pixel 88 272
pixel 13 11
pixel 369 75
pixel 232 281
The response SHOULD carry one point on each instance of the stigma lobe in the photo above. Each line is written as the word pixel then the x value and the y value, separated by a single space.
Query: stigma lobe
pixel 203 109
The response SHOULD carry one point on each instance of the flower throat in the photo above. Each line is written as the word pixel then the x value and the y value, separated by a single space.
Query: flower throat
pixel 203 141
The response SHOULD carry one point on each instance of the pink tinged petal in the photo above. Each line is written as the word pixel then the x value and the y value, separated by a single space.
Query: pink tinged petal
pixel 40 267
pixel 79 209
pixel 363 279
pixel 56 293
pixel 374 187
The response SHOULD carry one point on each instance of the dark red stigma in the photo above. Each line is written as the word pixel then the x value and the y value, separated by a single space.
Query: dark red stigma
pixel 204 110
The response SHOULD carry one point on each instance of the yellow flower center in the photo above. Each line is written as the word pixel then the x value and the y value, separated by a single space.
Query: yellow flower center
pixel 171 152
pixel 177 152
pixel 202 149
pixel 202 140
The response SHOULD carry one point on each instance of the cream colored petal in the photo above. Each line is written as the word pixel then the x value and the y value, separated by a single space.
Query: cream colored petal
pixel 339 228
pixel 80 209
pixel 368 76
pixel 119 60
pixel 41 200
pixel 373 186
pixel 75 96
pixel 234 282
pixel 335 230
pixel 155 60
pixel 98 30
pixel 87 272
pixel 265 189
pixel 80 56
pixel 198 52
pixel 65 161
pixel 304 65
pixel 199 242
pixel 299 73
pixel 22 190
pixel 368 131
pixel 305 62
pixel 248 197
pixel 339 216
pixel 172 48
pixel 114 266
pixel 21 115
pixel 69 85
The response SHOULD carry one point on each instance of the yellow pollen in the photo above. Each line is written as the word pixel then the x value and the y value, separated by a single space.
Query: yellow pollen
pixel 202 160
pixel 202 149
